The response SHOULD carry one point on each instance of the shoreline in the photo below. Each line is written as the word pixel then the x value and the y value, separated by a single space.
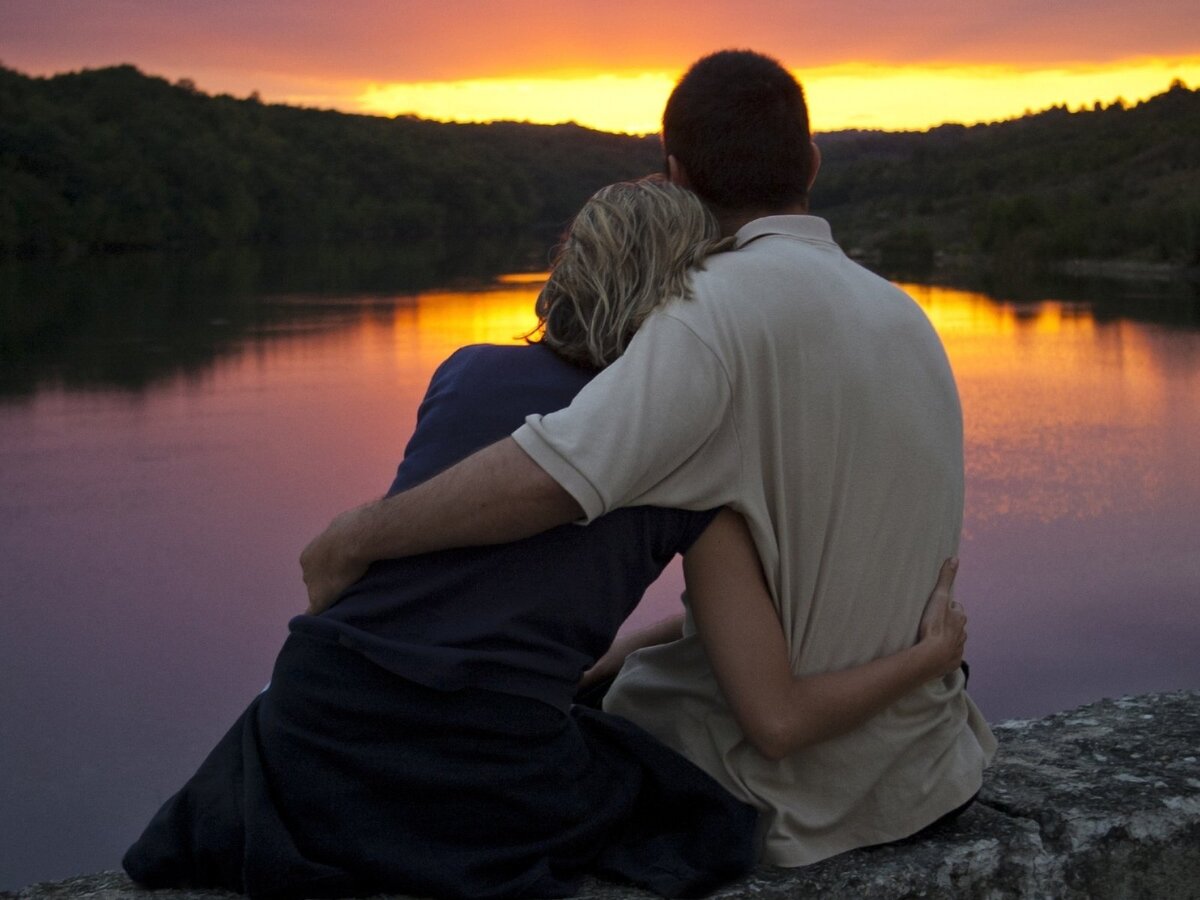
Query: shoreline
pixel 1101 801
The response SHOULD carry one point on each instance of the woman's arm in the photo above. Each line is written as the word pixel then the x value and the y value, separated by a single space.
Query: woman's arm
pixel 778 711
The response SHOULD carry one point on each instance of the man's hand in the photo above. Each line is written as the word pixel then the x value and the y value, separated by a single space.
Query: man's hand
pixel 329 562
pixel 495 495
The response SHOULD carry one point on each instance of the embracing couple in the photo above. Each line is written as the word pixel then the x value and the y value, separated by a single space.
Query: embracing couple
pixel 713 378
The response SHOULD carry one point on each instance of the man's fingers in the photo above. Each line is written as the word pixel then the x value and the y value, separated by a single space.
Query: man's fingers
pixel 322 593
pixel 314 598
pixel 316 606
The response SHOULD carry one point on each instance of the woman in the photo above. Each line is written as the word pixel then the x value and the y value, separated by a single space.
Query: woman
pixel 419 736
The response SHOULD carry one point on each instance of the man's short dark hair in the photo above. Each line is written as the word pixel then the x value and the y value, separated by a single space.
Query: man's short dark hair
pixel 738 124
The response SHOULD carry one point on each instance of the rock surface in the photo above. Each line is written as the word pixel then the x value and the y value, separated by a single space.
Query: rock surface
pixel 1099 802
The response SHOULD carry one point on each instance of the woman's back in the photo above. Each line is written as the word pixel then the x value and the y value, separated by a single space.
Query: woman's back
pixel 523 618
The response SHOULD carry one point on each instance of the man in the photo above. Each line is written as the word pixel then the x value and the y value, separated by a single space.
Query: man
pixel 808 395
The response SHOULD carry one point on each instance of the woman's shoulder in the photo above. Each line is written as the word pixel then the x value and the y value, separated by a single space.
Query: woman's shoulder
pixel 510 357
pixel 500 368
pixel 480 394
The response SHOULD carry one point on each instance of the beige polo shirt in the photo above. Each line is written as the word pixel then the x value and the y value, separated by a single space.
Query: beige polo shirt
pixel 814 398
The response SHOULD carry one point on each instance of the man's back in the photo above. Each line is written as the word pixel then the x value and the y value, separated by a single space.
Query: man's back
pixel 850 436
pixel 837 434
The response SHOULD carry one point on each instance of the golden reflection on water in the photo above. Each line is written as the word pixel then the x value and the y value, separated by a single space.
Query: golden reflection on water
pixel 501 316
pixel 1065 417
pixel 537 278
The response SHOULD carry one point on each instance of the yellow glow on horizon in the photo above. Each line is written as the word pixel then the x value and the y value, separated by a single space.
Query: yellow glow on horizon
pixel 619 103
pixel 850 95
pixel 910 98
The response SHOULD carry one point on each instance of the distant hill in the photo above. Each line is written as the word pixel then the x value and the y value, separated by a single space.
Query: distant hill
pixel 1106 183
pixel 113 159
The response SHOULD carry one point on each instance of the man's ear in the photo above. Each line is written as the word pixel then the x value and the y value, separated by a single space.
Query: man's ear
pixel 676 173
pixel 816 163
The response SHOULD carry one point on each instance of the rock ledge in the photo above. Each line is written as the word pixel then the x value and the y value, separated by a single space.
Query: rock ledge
pixel 1099 802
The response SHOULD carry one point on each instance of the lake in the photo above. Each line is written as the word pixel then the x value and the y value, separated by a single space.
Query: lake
pixel 174 429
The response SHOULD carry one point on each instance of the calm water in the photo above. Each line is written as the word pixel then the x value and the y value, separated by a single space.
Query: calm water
pixel 170 436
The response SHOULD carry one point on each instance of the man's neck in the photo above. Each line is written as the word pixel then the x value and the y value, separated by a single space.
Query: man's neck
pixel 732 220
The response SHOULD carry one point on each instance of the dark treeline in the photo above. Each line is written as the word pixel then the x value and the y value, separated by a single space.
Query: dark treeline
pixel 113 159
pixel 1108 183
pixel 128 320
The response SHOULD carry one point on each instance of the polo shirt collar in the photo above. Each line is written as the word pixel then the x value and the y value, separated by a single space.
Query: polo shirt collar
pixel 809 228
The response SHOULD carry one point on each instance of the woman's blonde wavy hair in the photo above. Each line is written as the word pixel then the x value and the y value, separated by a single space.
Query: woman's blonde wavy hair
pixel 628 251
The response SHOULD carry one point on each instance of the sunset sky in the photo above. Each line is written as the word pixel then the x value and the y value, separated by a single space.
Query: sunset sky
pixel 610 64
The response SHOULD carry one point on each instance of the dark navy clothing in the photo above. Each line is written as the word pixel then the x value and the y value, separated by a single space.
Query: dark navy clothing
pixel 344 779
pixel 416 738
pixel 525 618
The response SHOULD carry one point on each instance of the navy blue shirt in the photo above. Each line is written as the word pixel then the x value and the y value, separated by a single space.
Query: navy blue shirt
pixel 524 618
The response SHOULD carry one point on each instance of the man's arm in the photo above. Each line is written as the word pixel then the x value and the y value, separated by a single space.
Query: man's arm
pixel 498 494
pixel 620 442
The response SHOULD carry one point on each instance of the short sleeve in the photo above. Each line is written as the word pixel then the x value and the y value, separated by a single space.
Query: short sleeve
pixel 651 429
pixel 693 527
pixel 477 397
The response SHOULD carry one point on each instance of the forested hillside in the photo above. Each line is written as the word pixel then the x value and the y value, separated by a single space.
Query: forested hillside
pixel 1106 183
pixel 113 159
